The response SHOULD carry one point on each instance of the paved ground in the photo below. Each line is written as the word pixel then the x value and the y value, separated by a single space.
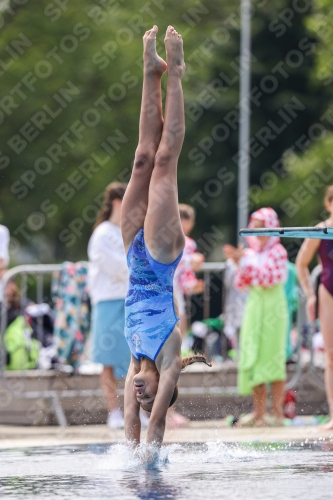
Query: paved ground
pixel 19 437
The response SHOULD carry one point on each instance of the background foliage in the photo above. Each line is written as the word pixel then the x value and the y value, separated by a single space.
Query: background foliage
pixel 96 50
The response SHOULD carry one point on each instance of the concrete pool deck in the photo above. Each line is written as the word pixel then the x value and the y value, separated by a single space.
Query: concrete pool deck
pixel 198 431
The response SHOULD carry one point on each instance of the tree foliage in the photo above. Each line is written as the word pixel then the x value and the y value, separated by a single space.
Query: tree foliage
pixel 71 87
pixel 307 171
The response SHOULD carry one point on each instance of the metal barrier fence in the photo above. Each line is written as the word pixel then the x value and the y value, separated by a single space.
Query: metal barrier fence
pixel 210 271
pixel 39 271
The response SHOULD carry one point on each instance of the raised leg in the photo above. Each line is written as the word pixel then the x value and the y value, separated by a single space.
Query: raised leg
pixel 135 202
pixel 163 232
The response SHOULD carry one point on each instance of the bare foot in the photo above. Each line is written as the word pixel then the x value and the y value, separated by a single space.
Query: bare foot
pixel 174 52
pixel 153 63
pixel 328 426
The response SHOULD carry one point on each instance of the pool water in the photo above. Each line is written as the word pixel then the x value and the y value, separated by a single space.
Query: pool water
pixel 203 471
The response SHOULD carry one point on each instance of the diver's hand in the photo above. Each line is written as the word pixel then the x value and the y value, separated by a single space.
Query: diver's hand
pixel 152 455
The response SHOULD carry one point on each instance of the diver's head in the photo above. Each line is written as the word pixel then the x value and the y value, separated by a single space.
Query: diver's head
pixel 145 383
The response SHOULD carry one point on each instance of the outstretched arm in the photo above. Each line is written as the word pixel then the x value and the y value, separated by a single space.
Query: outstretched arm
pixel 132 407
pixel 169 364
pixel 166 387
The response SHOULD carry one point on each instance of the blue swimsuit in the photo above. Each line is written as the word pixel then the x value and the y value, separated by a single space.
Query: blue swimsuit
pixel 149 306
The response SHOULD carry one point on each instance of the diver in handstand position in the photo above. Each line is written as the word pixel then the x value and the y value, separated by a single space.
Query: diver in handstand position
pixel 154 241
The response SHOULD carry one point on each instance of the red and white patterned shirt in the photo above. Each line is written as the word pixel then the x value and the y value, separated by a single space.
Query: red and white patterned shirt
pixel 265 269
pixel 185 277
pixel 262 267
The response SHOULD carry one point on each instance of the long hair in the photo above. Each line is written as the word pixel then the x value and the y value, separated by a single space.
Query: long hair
pixel 197 358
pixel 114 191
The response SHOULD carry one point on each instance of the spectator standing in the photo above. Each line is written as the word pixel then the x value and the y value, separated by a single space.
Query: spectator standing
pixel 71 309
pixel 324 303
pixel 108 283
pixel 262 268
pixel 4 256
pixel 185 281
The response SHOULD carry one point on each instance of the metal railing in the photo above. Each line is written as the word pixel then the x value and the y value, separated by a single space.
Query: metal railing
pixel 208 269
pixel 309 371
pixel 39 271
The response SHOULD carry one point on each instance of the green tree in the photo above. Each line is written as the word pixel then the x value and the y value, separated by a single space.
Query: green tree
pixel 71 86
pixel 307 171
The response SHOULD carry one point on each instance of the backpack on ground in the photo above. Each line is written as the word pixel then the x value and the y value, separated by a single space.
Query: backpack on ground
pixel 21 349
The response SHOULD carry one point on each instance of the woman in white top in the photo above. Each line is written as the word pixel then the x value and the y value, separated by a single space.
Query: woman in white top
pixel 108 283
pixel 4 255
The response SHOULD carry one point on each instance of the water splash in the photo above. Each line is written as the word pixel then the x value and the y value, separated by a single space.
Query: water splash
pixel 124 458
